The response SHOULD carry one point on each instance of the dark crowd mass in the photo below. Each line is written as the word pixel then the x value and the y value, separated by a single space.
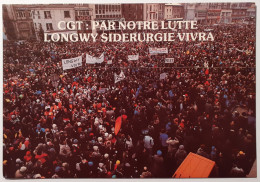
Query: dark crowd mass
pixel 61 124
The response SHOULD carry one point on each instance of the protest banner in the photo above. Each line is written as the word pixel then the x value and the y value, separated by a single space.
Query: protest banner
pixel 133 57
pixel 71 63
pixel 163 76
pixel 169 60
pixel 158 50
pixel 119 77
pixel 102 90
pixel 93 60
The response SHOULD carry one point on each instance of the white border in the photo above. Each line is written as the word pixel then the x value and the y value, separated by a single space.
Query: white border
pixel 135 1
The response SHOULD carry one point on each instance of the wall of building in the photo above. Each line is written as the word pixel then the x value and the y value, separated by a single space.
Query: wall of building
pixel 48 18
pixel 19 21
pixel 128 9
pixel 151 12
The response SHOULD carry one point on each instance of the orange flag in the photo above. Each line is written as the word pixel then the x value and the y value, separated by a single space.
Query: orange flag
pixel 118 124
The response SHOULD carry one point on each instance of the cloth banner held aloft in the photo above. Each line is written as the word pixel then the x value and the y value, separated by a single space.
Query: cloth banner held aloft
pixel 155 50
pixel 93 60
pixel 169 60
pixel 133 57
pixel 119 77
pixel 163 76
pixel 71 63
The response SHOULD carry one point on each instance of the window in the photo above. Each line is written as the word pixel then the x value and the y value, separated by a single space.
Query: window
pixel 33 14
pixel 20 14
pixel 39 16
pixel 66 14
pixel 47 14
pixel 49 26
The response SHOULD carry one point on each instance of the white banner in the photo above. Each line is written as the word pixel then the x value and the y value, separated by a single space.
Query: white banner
pixel 133 57
pixel 93 60
pixel 109 62
pixel 158 50
pixel 71 63
pixel 119 77
pixel 163 76
pixel 169 60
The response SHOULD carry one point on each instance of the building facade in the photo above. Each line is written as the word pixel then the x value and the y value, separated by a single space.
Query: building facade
pixel 201 11
pixel 84 13
pixel 151 12
pixel 29 21
pixel 107 12
pixel 173 11
pixel 46 18
pixel 128 9
pixel 239 11
pixel 225 16
pixel 189 11
pixel 18 22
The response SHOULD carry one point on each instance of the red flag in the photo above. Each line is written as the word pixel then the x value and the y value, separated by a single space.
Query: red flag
pixel 207 72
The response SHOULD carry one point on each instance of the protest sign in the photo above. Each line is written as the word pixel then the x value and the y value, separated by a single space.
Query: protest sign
pixel 163 76
pixel 133 57
pixel 71 63
pixel 119 77
pixel 169 60
pixel 158 50
pixel 93 60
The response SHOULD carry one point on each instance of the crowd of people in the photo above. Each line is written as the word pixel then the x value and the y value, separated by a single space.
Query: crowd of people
pixel 61 124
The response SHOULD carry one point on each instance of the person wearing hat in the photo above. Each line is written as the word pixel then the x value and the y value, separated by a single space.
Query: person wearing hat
pixel 157 169
pixel 242 161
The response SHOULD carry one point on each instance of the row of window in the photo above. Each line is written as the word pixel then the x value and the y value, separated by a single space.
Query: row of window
pixel 82 13
pixel 175 10
pixel 47 14
pixel 171 16
pixel 48 26
pixel 239 13
pixel 153 16
pixel 100 11
pixel 108 6
pixel 108 16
